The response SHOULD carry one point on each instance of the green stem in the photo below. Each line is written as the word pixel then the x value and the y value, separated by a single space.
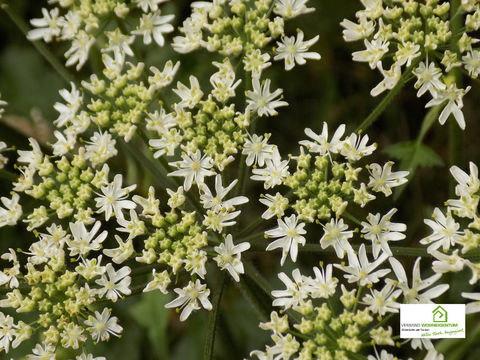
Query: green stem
pixel 7 175
pixel 251 227
pixel 41 48
pixel 380 108
pixel 213 319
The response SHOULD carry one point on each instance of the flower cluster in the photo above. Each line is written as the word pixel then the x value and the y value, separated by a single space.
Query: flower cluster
pixel 315 325
pixel 457 231
pixel 87 23
pixel 403 37
pixel 325 181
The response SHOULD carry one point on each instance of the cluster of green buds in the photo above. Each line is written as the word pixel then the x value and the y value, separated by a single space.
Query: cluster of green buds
pixel 428 38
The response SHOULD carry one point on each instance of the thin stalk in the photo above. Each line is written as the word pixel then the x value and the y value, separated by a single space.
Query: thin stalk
pixel 380 108
pixel 251 227
pixel 455 133
pixel 213 319
pixel 41 48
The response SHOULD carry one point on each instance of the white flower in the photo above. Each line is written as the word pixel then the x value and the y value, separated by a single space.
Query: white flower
pixel 148 5
pixel 8 276
pixel 383 179
pixel 167 144
pixel 216 203
pixel 447 263
pixel 390 79
pixel 373 53
pixel 190 96
pixel 291 8
pixel 445 231
pixel 454 98
pixel 160 122
pixel 3 146
pixel 472 307
pixel 412 294
pixel 276 205
pixel 100 148
pixel 229 256
pixel 119 44
pixel 114 198
pixel 195 263
pixel 353 31
pixel 102 325
pixel 63 144
pixel 45 352
pixel 323 285
pixel 217 220
pixel 12 211
pixel 189 297
pixel 337 235
pixel 275 171
pixel 132 227
pixel 194 167
pixel 7 331
pixel 380 231
pixel 78 52
pixel 321 144
pixel 293 50
pixel 123 252
pixel 255 62
pixel 156 25
pixel 428 79
pixel 257 149
pixel 114 283
pixel 355 147
pixel 384 355
pixel 295 292
pixel 383 301
pixel 360 270
pixel 472 63
pixel 160 79
pixel 261 100
pixel 85 241
pixel 68 111
pixel 160 282
pixel 84 356
pixel 48 27
pixel 467 183
pixel 407 51
pixel 289 234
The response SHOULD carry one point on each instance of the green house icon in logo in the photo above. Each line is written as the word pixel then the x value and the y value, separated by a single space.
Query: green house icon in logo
pixel 439 314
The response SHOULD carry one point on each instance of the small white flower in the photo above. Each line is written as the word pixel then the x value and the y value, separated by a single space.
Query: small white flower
pixel 323 285
pixel 321 144
pixel 194 167
pixel 428 79
pixel 262 101
pixel 467 183
pixel 152 24
pixel 68 111
pixel 48 27
pixel 42 352
pixel 115 283
pixel 471 62
pixel 293 50
pixel 360 270
pixel 189 297
pixel 195 263
pixel 114 198
pixel 474 306
pixel 412 294
pixel 160 282
pixel 257 149
pixel 445 231
pixel 100 148
pixel 276 205
pixel 85 241
pixel 295 292
pixel 390 79
pixel 353 31
pixel 190 96
pixel 12 211
pixel 123 252
pixel 78 52
pixel 217 202
pixel 119 44
pixel 380 231
pixel 383 301
pixel 291 8
pixel 229 256
pixel 407 51
pixel 337 235
pixel 384 179
pixel 63 144
pixel 289 235
pixel 355 147
pixel 103 325
pixel 454 98
pixel 373 53
pixel 148 5
pixel 275 171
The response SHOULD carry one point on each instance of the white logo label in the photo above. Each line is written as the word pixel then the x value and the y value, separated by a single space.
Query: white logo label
pixel 432 321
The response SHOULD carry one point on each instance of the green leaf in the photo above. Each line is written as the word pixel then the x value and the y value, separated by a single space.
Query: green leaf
pixel 412 154
pixel 150 312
